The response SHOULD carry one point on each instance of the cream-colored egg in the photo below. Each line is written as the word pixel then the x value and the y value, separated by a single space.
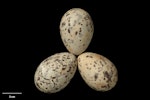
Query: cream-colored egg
pixel 55 72
pixel 76 30
pixel 97 71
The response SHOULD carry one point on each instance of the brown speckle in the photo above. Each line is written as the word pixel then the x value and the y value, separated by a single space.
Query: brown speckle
pixel 45 60
pixel 63 68
pixel 68 30
pixel 89 68
pixel 53 77
pixel 40 83
pixel 107 75
pixel 95 62
pixel 68 18
pixel 64 55
pixel 101 63
pixel 63 24
pixel 70 41
pixel 96 76
pixel 47 63
pixel 37 85
pixel 104 78
pixel 67 14
pixel 80 30
pixel 45 78
pixel 68 57
pixel 104 86
pixel 89 56
pixel 80 23
pixel 76 33
pixel 65 82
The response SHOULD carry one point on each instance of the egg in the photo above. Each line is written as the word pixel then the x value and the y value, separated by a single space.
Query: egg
pixel 97 71
pixel 76 30
pixel 55 72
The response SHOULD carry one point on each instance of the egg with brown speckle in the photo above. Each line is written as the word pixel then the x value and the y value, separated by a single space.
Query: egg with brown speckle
pixel 97 71
pixel 55 72
pixel 76 30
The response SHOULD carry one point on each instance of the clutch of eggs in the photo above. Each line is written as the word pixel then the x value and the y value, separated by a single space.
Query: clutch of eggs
pixel 55 72
pixel 97 71
pixel 76 30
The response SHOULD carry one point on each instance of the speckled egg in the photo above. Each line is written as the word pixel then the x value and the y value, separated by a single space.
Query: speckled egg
pixel 97 71
pixel 76 30
pixel 55 72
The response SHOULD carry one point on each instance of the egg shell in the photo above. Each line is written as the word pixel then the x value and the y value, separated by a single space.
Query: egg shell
pixel 97 71
pixel 55 72
pixel 76 30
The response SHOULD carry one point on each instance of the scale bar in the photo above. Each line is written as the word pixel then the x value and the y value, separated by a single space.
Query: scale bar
pixel 11 92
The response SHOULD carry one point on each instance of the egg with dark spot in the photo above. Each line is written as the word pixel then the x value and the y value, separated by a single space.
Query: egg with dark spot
pixel 55 72
pixel 97 71
pixel 76 30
